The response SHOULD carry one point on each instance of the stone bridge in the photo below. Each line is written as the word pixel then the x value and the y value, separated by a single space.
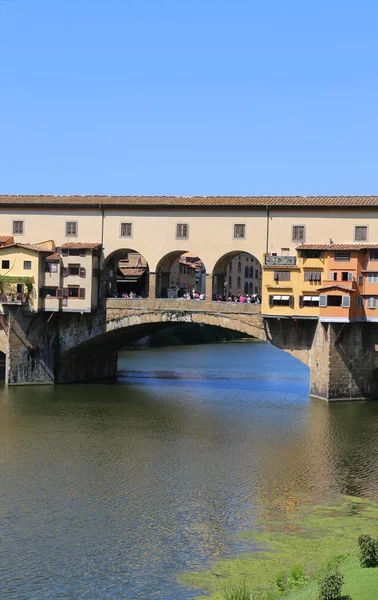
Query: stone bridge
pixel 62 348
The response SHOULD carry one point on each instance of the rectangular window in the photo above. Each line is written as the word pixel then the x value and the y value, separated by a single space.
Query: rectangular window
pixel 73 292
pixel 372 278
pixel 53 267
pixel 281 301
pixel 49 292
pixel 333 276
pixel 5 264
pixel 182 231
pixel 373 254
pixel 257 274
pixel 346 276
pixel 239 231
pixel 126 230
pixel 308 301
pixel 311 253
pixel 360 233
pixel 360 280
pixel 27 265
pixel 372 302
pixel 342 256
pixel 360 303
pixel 18 228
pixel 299 233
pixel 281 275
pixel 73 270
pixel 312 276
pixel 71 228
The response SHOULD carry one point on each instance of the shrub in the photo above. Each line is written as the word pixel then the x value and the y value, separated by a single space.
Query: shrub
pixel 330 586
pixel 240 592
pixel 296 578
pixel 368 551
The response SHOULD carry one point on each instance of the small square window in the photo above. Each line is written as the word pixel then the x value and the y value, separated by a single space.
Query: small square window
pixel 239 231
pixel 299 233
pixel 360 233
pixel 182 231
pixel 18 228
pixel 5 264
pixel 71 228
pixel 126 230
pixel 27 265
pixel 73 292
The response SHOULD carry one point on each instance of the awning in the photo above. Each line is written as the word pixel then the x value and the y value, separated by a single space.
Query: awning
pixel 277 297
pixel 285 297
pixel 307 298
pixel 315 298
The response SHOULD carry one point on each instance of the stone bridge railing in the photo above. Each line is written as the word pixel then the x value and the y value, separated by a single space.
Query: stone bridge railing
pixel 174 304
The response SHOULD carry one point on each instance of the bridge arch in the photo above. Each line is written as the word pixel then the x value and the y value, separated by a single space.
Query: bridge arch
pixel 125 271
pixel 180 271
pixel 237 272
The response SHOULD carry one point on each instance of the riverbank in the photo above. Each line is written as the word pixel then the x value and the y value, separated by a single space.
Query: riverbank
pixel 304 539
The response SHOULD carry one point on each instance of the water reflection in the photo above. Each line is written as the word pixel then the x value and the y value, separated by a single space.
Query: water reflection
pixel 113 490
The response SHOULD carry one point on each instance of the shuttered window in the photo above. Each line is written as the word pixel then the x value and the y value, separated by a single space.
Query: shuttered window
pixel 360 233
pixel 281 275
pixel 126 230
pixel 299 233
pixel 182 231
pixel 345 301
pixel 71 228
pixel 239 231
pixel 312 276
pixel 372 302
pixel 322 300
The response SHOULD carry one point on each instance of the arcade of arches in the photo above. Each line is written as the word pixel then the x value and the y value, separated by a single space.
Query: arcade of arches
pixel 126 273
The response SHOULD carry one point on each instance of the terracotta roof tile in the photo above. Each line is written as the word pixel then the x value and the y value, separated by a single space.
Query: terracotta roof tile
pixel 55 256
pixel 81 245
pixel 262 201
pixel 336 246
pixel 5 237
pixel 132 271
pixel 335 286
pixel 33 247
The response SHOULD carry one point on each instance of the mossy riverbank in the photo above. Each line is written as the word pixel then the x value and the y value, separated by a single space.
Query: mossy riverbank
pixel 307 537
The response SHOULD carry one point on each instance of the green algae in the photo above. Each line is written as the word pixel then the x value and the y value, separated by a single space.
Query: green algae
pixel 305 536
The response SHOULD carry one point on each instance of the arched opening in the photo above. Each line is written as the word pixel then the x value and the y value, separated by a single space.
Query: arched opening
pixel 180 274
pixel 237 275
pixel 125 274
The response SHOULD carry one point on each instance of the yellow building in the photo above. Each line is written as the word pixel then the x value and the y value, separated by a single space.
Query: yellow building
pixel 21 273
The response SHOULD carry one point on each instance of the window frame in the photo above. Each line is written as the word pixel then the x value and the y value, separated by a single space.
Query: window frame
pixel 366 227
pixel 5 260
pixel 71 235
pixel 131 224
pixel 182 237
pixel 17 232
pixel 239 237
pixel 27 262
pixel 293 238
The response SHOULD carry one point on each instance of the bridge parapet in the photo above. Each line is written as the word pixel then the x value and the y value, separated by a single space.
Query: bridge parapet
pixel 176 305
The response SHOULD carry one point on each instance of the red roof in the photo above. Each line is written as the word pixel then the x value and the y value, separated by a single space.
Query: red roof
pixel 336 246
pixel 335 286
pixel 5 237
pixel 132 271
pixel 81 245
pixel 52 257
pixel 33 247
pixel 310 202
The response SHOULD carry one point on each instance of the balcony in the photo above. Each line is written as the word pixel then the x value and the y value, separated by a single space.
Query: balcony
pixel 13 299
pixel 280 261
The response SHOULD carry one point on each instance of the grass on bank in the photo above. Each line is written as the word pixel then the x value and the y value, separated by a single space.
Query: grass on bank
pixel 307 537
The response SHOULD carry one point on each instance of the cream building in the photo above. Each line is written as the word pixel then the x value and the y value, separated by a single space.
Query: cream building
pixel 244 275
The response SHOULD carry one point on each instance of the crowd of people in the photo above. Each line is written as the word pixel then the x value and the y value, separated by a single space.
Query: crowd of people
pixel 242 298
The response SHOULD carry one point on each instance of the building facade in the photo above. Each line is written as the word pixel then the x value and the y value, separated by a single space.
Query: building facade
pixel 244 276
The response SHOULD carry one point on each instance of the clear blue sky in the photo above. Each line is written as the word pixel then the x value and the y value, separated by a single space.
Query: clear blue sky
pixel 236 97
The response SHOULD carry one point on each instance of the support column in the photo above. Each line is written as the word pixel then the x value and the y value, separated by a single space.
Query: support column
pixel 344 361
pixel 152 287
pixel 209 288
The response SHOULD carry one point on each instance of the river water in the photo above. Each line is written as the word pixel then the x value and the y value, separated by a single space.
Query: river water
pixel 114 490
